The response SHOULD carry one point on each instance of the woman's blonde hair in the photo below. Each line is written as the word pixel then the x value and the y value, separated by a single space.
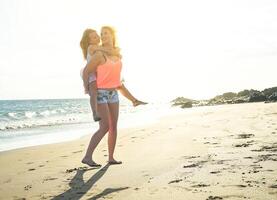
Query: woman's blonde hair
pixel 113 32
pixel 84 43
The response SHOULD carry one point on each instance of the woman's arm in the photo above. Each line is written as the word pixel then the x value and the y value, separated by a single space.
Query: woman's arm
pixel 91 67
pixel 96 59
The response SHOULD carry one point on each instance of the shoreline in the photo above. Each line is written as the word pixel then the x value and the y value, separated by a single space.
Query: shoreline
pixel 213 152
pixel 28 137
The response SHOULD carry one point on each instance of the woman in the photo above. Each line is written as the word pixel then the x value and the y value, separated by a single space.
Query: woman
pixel 108 70
pixel 89 44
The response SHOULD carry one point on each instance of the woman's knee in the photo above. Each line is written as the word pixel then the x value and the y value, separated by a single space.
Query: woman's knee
pixel 104 128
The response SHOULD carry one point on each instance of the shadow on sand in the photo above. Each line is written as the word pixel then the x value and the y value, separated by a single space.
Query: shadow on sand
pixel 79 188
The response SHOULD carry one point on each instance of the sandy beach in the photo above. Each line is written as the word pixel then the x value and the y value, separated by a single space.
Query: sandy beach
pixel 210 153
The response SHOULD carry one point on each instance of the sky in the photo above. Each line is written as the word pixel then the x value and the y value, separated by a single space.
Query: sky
pixel 196 49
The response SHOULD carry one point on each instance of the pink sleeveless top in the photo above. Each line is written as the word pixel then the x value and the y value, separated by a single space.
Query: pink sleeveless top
pixel 108 74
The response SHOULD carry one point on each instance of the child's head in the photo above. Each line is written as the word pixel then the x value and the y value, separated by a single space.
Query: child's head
pixel 90 37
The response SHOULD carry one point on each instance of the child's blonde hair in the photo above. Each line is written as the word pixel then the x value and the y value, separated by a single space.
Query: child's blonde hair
pixel 84 43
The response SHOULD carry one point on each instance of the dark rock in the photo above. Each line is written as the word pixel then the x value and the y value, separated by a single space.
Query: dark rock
pixel 183 102
pixel 267 95
pixel 187 105
pixel 257 97
pixel 244 93
pixel 229 95
pixel 269 91
pixel 273 97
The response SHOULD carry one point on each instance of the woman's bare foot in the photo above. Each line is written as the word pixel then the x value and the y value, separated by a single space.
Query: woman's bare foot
pixel 90 163
pixel 138 102
pixel 114 162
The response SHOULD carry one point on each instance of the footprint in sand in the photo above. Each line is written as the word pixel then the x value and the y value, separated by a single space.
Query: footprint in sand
pixel 273 186
pixel 31 169
pixel 77 151
pixel 75 169
pixel 7 181
pixel 191 157
pixel 243 145
pixel 200 185
pixel 191 166
pixel 214 198
pixel 215 172
pixel 175 181
pixel 19 198
pixel 27 187
pixel 244 136
pixel 49 179
pixel 41 166
pixel 241 186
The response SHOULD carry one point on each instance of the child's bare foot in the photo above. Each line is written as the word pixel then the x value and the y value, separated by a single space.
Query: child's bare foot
pixel 90 163
pixel 138 102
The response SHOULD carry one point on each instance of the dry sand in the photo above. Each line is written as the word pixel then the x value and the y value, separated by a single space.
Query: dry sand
pixel 212 153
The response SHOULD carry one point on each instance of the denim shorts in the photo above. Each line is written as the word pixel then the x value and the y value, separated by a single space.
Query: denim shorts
pixel 107 96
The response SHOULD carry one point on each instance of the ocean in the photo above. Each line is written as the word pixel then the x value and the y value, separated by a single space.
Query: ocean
pixel 26 123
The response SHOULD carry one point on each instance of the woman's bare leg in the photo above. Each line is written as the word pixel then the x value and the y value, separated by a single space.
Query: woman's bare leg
pixel 125 92
pixel 113 118
pixel 103 111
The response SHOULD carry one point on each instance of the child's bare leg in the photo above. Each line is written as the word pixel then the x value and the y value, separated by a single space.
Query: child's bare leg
pixel 125 92
pixel 93 100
